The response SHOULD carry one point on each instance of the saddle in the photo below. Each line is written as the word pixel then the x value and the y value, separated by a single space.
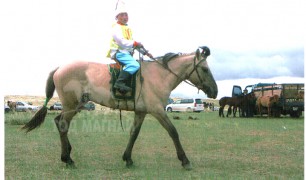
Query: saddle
pixel 114 70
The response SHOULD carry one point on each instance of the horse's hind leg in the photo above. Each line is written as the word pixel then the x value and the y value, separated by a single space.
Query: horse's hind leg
pixel 229 111
pixel 166 123
pixel 234 111
pixel 138 120
pixel 62 122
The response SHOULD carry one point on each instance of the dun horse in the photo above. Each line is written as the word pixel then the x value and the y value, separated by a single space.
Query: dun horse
pixel 75 80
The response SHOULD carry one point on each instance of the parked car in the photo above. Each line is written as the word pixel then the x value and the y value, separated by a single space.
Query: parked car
pixel 23 106
pixel 190 105
pixel 89 106
pixel 170 101
pixel 56 106
pixel 6 108
pixel 216 108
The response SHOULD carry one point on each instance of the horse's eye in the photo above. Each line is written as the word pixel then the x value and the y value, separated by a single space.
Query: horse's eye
pixel 205 69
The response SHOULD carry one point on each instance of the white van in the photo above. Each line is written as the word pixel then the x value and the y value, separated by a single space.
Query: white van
pixel 190 105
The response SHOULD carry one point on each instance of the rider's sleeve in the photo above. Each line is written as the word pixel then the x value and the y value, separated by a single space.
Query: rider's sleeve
pixel 120 40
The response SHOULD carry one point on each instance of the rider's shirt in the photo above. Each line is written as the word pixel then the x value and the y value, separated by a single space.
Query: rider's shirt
pixel 122 40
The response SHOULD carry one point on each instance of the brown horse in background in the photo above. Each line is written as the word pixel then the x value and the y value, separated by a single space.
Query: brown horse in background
pixel 234 102
pixel 78 80
pixel 12 105
pixel 266 101
pixel 248 105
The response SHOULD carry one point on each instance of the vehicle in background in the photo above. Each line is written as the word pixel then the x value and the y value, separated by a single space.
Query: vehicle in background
pixel 216 108
pixel 6 108
pixel 23 107
pixel 291 97
pixel 190 105
pixel 56 106
pixel 170 101
pixel 90 106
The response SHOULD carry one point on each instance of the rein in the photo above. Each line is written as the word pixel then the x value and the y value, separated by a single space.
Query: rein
pixel 195 66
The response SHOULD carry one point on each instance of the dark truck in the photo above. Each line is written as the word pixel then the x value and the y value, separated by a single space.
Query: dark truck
pixel 291 97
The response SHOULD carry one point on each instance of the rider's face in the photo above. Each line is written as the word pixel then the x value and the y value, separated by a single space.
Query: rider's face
pixel 123 18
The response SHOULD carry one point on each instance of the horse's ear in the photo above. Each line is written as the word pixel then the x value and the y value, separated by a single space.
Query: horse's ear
pixel 198 54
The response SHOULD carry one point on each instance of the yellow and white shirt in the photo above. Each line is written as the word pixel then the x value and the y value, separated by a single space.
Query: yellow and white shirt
pixel 122 40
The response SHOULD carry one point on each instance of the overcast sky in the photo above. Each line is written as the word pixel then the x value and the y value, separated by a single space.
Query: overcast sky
pixel 251 40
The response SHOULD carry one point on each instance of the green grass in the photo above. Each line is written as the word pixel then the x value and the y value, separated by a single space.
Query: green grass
pixel 218 148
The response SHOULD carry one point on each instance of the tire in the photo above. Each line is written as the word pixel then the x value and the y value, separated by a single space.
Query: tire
pixel 189 109
pixel 295 114
pixel 169 109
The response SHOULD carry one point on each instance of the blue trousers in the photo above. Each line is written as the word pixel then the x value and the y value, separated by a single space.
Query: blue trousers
pixel 130 64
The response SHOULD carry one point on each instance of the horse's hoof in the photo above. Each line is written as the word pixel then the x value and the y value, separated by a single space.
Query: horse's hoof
pixel 71 166
pixel 187 167
pixel 129 163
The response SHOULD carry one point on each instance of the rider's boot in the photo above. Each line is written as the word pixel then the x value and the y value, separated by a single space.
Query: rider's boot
pixel 120 83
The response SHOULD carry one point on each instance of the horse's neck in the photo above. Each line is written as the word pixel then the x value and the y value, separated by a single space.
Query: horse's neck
pixel 179 69
pixel 182 66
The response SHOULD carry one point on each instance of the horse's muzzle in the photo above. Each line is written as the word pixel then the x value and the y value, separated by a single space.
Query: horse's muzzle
pixel 210 90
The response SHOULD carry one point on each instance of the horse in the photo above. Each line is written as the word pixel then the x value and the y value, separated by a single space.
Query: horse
pixel 232 102
pixel 248 105
pixel 266 101
pixel 78 80
pixel 223 102
pixel 12 105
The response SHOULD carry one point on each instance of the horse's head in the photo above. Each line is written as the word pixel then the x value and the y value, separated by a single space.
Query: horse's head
pixel 275 98
pixel 201 75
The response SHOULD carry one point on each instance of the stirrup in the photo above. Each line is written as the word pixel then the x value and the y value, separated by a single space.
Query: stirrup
pixel 122 88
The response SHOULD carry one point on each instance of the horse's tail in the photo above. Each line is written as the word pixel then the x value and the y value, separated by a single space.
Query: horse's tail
pixel 40 115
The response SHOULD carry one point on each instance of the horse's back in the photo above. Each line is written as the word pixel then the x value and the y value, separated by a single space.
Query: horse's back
pixel 264 101
pixel 74 80
pixel 224 100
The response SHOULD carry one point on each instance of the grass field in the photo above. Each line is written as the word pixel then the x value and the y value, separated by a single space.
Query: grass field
pixel 218 148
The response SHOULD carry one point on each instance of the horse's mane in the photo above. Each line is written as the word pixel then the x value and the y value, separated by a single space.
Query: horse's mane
pixel 170 55
pixel 167 57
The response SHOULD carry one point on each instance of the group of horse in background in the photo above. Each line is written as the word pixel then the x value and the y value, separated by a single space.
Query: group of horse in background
pixel 247 104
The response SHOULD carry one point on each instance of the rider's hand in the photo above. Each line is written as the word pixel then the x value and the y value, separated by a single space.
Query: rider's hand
pixel 149 55
pixel 138 44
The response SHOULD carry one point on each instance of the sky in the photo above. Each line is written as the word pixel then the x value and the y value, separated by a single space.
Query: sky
pixel 251 41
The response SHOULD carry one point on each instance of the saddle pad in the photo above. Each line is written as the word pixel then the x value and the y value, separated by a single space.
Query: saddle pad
pixel 131 83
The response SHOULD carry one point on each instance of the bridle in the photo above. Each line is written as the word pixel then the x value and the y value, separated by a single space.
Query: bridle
pixel 204 53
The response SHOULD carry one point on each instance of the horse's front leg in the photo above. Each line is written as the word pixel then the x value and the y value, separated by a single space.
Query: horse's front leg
pixel 234 111
pixel 138 120
pixel 166 123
